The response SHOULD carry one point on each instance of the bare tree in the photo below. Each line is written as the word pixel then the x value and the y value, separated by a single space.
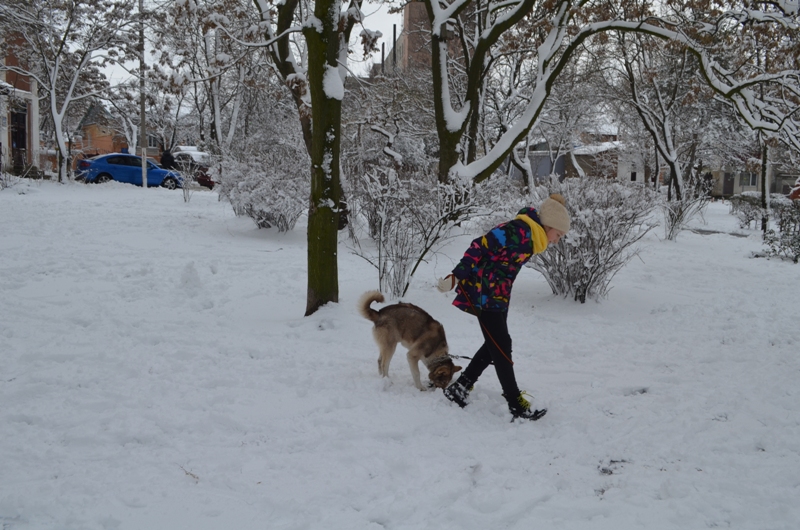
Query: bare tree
pixel 163 112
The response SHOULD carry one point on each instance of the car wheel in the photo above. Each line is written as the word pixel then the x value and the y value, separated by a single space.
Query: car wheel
pixel 102 177
pixel 170 183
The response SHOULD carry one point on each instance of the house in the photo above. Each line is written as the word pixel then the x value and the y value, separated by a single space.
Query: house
pixel 98 135
pixel 784 182
pixel 794 193
pixel 19 118
pixel 729 181
pixel 605 158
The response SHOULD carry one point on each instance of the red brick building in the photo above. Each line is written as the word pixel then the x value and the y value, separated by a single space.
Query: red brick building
pixel 19 117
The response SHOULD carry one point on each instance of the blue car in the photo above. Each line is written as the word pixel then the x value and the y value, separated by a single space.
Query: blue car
pixel 126 168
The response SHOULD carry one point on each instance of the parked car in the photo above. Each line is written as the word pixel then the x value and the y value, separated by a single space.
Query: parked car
pixel 194 163
pixel 126 168
pixel 795 193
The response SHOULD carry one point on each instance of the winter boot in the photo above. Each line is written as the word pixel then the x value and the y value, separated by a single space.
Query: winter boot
pixel 458 391
pixel 521 408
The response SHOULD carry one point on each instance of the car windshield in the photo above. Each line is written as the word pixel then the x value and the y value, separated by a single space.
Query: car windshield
pixel 200 158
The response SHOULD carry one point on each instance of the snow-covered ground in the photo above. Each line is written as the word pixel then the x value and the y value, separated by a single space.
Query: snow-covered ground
pixel 156 372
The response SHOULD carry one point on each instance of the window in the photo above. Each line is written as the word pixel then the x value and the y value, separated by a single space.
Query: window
pixel 748 179
pixel 633 176
pixel 152 141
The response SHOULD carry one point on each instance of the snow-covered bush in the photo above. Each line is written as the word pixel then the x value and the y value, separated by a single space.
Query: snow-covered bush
pixel 785 242
pixel 786 213
pixel 406 218
pixel 7 180
pixel 608 219
pixel 499 200
pixel 747 208
pixel 679 212
pixel 389 160
pixel 271 189
pixel 749 214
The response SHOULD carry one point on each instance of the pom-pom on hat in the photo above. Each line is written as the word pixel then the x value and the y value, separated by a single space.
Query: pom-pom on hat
pixel 553 213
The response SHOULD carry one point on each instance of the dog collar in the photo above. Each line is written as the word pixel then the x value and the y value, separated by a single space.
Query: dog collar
pixel 435 363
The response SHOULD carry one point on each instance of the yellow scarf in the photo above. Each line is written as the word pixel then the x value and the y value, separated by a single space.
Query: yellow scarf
pixel 538 235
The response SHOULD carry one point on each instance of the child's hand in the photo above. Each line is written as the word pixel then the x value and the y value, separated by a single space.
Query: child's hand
pixel 446 284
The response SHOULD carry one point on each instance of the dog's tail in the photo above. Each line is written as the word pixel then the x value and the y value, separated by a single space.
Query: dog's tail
pixel 365 302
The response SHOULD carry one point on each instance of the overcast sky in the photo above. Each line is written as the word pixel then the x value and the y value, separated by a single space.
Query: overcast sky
pixel 377 19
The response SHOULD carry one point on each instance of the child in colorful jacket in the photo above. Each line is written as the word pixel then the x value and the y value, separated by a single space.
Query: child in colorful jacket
pixel 484 278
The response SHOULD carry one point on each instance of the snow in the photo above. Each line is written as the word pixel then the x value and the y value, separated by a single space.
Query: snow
pixel 313 22
pixel 454 120
pixel 596 149
pixel 790 6
pixel 370 34
pixel 332 83
pixel 156 372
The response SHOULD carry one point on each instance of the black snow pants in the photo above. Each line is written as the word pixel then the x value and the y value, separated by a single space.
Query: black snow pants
pixel 496 350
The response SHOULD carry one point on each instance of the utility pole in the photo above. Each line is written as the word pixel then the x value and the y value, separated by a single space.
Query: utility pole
pixel 142 117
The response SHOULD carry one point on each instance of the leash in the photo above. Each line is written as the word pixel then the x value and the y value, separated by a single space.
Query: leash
pixel 477 313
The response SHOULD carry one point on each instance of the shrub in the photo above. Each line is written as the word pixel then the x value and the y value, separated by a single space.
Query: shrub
pixel 783 244
pixel 7 180
pixel 406 218
pixel 272 189
pixel 786 213
pixel 786 242
pixel 608 219
pixel 678 213
pixel 747 207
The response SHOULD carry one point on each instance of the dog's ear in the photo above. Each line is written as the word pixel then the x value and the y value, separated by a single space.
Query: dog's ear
pixel 456 368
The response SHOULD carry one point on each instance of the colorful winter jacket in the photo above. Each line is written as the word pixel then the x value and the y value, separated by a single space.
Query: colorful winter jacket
pixel 487 271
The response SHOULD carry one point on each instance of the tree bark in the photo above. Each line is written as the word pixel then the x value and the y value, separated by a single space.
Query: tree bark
pixel 448 140
pixel 764 190
pixel 326 189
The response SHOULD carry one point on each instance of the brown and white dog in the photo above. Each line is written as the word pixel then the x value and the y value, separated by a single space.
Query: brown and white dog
pixel 415 329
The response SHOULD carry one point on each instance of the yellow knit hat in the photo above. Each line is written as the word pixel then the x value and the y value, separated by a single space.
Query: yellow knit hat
pixel 553 213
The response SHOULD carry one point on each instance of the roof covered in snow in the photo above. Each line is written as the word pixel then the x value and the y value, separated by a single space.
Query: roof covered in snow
pixel 595 149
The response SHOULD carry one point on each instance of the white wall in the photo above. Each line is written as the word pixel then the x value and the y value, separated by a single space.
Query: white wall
pixel 626 164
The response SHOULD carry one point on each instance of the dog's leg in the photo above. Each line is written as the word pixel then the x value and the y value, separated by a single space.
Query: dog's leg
pixel 385 357
pixel 413 363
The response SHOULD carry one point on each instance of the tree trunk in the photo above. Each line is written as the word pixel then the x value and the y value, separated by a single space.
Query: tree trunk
pixel 673 181
pixel 448 140
pixel 326 190
pixel 764 186
pixel 657 178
